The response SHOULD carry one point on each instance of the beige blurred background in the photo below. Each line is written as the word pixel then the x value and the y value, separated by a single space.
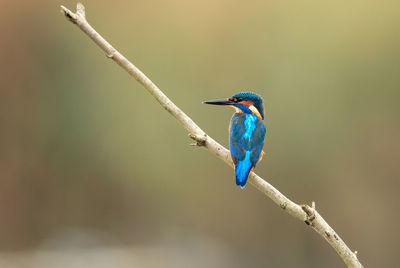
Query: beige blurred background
pixel 94 172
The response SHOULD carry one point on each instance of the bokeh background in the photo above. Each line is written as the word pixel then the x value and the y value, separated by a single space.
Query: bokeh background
pixel 94 172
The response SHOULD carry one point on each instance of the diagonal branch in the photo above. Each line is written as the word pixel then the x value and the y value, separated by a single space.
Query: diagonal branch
pixel 302 212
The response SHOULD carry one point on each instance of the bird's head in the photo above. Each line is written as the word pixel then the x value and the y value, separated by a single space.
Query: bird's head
pixel 243 102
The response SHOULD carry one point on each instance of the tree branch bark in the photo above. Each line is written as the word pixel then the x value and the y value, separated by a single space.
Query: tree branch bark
pixel 305 213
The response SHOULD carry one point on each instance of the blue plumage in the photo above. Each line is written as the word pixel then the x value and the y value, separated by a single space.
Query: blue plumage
pixel 246 132
pixel 246 141
pixel 242 170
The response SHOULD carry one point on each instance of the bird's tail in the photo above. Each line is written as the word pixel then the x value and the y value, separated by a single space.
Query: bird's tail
pixel 242 170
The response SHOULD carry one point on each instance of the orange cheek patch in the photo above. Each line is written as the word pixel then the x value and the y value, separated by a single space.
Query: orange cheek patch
pixel 247 103
pixel 251 107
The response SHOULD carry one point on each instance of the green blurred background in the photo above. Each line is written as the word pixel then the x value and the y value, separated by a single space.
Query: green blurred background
pixel 94 172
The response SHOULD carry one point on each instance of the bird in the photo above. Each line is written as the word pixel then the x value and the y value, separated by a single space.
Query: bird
pixel 246 132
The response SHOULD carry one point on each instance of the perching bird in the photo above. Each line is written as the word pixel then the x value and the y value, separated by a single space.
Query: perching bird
pixel 246 132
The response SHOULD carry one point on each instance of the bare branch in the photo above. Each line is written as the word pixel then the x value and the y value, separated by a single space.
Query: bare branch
pixel 304 213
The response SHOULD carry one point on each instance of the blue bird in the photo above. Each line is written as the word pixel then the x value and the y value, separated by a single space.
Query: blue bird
pixel 246 132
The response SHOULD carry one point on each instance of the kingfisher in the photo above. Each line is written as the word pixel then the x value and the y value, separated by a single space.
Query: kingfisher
pixel 246 132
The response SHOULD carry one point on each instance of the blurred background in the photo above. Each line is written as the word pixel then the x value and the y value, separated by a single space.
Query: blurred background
pixel 94 172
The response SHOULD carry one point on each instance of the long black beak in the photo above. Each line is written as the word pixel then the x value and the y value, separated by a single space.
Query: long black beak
pixel 219 102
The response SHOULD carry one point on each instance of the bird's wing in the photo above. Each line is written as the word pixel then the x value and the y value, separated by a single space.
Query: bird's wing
pixel 236 131
pixel 257 141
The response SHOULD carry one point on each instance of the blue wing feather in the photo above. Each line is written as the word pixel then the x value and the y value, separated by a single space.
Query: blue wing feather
pixel 246 140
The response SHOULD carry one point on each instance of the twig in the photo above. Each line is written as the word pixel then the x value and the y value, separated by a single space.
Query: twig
pixel 304 213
